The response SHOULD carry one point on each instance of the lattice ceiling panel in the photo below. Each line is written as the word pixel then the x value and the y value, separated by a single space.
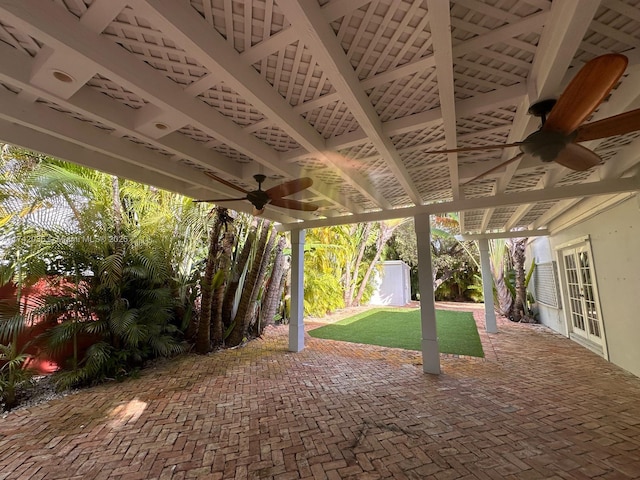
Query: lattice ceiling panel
pixel 521 182
pixel 501 215
pixel 415 160
pixel 11 88
pixel 332 119
pixel 406 96
pixel 615 28
pixel 77 7
pixel 198 135
pixel 310 163
pixel 383 35
pixel 475 74
pixel 117 92
pixel 242 23
pixel 479 188
pixel 329 177
pixel 615 143
pixel 19 40
pixel 142 39
pixel 227 101
pixel 375 168
pixel 422 136
pixel 77 116
pixel 232 153
pixel 472 220
pixel 572 177
pixel 493 126
pixel 432 183
pixel 148 145
pixel 363 150
pixel 294 74
pixel 277 139
pixel 485 159
pixel 397 197
pixel 504 63
pixel 535 213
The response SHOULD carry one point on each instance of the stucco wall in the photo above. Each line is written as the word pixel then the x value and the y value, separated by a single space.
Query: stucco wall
pixel 615 243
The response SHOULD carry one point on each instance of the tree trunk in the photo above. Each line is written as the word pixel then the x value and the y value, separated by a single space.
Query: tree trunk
pixel 203 338
pixel 274 292
pixel 353 281
pixel 385 234
pixel 234 279
pixel 117 208
pixel 252 317
pixel 519 311
pixel 218 294
pixel 240 325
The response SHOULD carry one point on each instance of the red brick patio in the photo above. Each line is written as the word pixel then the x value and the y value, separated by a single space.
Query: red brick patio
pixel 539 406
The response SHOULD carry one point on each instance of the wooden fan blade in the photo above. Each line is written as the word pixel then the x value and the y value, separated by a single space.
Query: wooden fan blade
pixel 473 149
pixel 497 167
pixel 224 182
pixel 289 188
pixel 585 92
pixel 608 127
pixel 219 200
pixel 293 204
pixel 577 157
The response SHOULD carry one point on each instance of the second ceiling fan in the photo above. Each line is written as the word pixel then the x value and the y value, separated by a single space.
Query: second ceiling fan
pixel 562 127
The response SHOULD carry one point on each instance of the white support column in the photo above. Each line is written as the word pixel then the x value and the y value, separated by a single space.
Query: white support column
pixel 430 350
pixel 296 322
pixel 487 286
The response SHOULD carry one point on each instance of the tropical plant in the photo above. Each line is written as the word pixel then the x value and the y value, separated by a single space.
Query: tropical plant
pixel 116 249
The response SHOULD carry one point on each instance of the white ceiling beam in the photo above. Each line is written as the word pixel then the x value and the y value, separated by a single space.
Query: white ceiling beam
pixel 440 23
pixel 188 29
pixel 315 32
pixel 605 187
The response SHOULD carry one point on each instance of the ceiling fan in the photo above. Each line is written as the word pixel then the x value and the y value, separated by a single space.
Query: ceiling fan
pixel 562 129
pixel 274 196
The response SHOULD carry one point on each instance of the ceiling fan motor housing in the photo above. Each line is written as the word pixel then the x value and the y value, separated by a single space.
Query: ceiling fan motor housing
pixel 545 145
pixel 258 198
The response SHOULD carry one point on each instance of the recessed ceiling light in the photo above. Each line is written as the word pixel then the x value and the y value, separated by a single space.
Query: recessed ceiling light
pixel 161 126
pixel 63 77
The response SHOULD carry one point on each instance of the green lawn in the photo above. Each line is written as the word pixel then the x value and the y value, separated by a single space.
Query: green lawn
pixel 400 328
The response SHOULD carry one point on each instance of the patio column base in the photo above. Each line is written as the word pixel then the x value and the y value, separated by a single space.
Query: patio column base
pixel 430 357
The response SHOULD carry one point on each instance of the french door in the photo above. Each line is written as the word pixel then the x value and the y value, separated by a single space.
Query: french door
pixel 582 297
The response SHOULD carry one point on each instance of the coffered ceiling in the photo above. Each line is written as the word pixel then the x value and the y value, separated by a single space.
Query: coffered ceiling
pixel 349 93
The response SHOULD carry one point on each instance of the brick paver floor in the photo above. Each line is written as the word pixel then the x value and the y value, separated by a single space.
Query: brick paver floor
pixel 539 406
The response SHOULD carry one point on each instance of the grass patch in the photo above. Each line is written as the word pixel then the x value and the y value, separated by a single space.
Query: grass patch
pixel 400 328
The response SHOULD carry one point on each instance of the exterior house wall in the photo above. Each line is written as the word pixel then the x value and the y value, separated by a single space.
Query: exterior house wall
pixel 614 236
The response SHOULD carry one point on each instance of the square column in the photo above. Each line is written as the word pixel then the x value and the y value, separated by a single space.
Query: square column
pixel 430 348
pixel 296 322
pixel 491 324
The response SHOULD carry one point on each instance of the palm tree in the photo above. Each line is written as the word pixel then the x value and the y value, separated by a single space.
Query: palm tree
pixel 252 285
